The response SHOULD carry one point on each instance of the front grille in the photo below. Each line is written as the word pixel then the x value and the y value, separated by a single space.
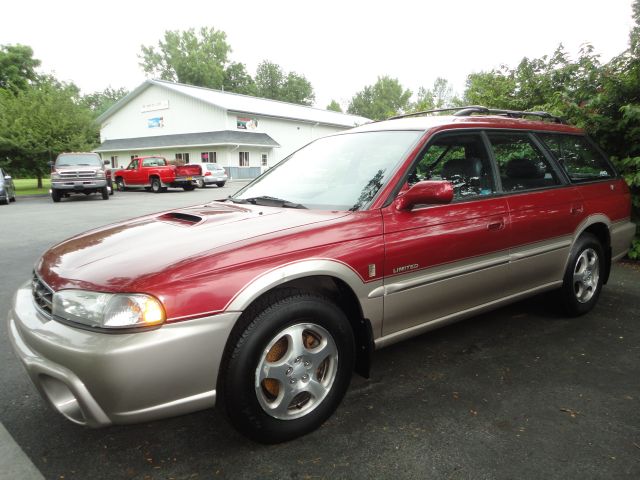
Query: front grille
pixel 42 295
pixel 77 174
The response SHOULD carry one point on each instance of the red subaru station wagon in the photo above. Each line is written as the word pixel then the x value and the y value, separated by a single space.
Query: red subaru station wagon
pixel 270 299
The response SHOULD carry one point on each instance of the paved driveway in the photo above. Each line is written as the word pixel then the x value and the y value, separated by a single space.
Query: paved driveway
pixel 518 393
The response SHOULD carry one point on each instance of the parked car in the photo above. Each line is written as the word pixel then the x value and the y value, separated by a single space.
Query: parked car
pixel 271 298
pixel 155 174
pixel 79 172
pixel 213 174
pixel 7 188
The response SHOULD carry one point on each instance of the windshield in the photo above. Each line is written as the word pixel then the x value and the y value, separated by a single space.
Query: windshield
pixel 78 159
pixel 342 172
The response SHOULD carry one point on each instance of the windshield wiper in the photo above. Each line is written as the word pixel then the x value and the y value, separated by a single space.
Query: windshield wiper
pixel 268 201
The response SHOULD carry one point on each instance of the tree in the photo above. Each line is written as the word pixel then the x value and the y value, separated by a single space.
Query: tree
pixel 438 96
pixel 272 82
pixel 382 100
pixel 334 106
pixel 100 102
pixel 42 120
pixel 17 66
pixel 188 57
pixel 237 80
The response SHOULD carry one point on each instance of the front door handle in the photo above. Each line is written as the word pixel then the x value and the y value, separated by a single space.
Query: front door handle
pixel 577 209
pixel 497 225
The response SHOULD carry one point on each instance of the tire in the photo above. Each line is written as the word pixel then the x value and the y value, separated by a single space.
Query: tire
pixel 120 184
pixel 111 187
pixel 189 188
pixel 5 201
pixel 200 183
pixel 55 195
pixel 314 379
pixel 156 186
pixel 13 199
pixel 220 184
pixel 582 281
pixel 105 193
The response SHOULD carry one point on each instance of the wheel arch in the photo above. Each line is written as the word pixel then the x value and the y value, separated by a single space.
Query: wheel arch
pixel 598 225
pixel 330 279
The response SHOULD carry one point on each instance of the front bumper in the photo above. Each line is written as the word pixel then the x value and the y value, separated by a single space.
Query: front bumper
pixel 99 379
pixel 79 185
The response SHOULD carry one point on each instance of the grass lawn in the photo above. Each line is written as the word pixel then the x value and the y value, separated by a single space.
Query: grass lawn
pixel 28 186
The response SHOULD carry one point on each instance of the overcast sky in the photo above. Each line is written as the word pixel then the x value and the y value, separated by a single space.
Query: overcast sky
pixel 340 46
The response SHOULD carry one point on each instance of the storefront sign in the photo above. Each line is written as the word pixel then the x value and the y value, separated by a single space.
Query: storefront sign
pixel 152 107
pixel 155 122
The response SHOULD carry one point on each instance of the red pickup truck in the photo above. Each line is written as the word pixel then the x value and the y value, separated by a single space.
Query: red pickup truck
pixel 155 174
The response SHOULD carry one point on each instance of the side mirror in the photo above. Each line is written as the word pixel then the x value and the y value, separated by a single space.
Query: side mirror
pixel 51 164
pixel 7 177
pixel 430 192
pixel 107 162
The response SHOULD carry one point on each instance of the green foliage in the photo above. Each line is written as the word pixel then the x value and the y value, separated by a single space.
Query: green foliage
pixel 271 82
pixel 44 119
pixel 100 102
pixel 381 100
pixel 440 95
pixel 17 67
pixel 237 80
pixel 189 57
pixel 334 106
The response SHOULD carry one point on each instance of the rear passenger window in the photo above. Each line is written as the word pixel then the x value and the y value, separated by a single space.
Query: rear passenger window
pixel 521 164
pixel 577 157
pixel 460 159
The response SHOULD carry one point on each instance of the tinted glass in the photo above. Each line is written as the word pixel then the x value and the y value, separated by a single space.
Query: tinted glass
pixel 577 157
pixel 521 164
pixel 341 172
pixel 153 162
pixel 460 159
pixel 78 159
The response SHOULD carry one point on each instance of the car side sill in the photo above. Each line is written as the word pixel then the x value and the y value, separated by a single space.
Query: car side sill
pixel 395 337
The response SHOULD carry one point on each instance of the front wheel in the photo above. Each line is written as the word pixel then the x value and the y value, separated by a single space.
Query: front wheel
pixel 156 186
pixel 105 193
pixel 289 367
pixel 55 195
pixel 120 184
pixel 583 278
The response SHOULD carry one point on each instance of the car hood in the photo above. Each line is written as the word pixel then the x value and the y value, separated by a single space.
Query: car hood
pixel 115 257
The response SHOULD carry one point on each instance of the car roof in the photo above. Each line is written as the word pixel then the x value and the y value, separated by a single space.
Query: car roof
pixel 429 122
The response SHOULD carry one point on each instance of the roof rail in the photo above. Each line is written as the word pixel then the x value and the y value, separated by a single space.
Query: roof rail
pixel 469 110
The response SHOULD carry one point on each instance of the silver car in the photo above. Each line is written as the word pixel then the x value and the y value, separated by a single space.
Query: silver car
pixel 7 188
pixel 212 173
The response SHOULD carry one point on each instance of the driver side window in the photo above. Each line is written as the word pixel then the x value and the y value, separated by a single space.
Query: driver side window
pixel 460 159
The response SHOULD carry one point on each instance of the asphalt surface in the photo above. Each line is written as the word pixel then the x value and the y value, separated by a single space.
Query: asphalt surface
pixel 521 392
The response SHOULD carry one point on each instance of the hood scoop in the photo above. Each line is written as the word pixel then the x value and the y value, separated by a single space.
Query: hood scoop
pixel 180 218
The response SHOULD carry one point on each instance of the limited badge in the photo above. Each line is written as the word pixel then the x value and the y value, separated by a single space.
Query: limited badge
pixel 372 270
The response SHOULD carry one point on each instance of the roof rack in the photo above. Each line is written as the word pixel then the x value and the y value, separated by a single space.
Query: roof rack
pixel 470 110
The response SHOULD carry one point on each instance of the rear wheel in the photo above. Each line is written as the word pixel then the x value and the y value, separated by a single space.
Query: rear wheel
pixel 220 184
pixel 583 279
pixel 156 186
pixel 188 188
pixel 289 367
pixel 200 183
pixel 55 195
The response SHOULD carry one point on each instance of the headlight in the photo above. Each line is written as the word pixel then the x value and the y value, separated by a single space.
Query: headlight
pixel 55 176
pixel 100 174
pixel 108 310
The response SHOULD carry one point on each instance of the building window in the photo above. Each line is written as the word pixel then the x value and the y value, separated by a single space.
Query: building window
pixel 114 161
pixel 264 160
pixel 182 157
pixel 209 157
pixel 244 159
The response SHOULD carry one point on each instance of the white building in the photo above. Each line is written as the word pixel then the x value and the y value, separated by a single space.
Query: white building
pixel 244 134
